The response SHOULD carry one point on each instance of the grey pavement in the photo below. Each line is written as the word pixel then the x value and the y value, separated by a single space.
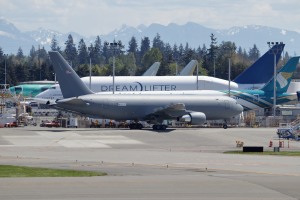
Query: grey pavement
pixel 145 164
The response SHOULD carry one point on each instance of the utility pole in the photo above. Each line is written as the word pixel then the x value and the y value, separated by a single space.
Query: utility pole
pixel 40 63
pixel 274 49
pixel 229 50
pixel 113 47
pixel 5 72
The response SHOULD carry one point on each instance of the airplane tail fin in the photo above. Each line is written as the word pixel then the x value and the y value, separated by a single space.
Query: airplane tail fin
pixel 189 68
pixel 70 83
pixel 284 77
pixel 262 70
pixel 152 71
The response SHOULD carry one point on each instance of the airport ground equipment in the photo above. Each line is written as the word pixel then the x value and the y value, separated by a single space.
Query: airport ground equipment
pixel 289 130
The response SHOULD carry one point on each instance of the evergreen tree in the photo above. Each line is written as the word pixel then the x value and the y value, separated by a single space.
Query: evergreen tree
pixel 32 53
pixel 254 53
pixel 153 55
pixel 158 43
pixel 71 51
pixel 54 44
pixel 1 53
pixel 145 46
pixel 133 47
pixel 20 54
pixel 227 51
pixel 97 52
pixel 129 66
pixel 212 54
pixel 83 55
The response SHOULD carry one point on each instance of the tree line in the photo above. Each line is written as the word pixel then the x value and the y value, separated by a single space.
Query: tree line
pixel 136 59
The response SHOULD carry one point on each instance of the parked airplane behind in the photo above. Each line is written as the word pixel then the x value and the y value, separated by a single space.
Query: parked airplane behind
pixel 251 99
pixel 145 83
pixel 31 89
pixel 261 71
pixel 151 108
pixel 173 83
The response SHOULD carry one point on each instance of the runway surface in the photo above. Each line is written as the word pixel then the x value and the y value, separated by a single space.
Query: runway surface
pixel 144 164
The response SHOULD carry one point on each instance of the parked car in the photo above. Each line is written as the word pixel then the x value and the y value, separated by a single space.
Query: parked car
pixel 50 124
pixel 11 124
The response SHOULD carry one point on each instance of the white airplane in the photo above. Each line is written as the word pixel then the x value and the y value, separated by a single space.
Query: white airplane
pixel 150 108
pixel 248 79
pixel 144 83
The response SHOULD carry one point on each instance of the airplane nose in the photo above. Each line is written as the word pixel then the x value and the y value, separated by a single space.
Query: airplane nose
pixel 238 108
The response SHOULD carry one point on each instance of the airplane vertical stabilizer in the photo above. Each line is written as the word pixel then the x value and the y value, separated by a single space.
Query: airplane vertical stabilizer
pixel 152 71
pixel 70 83
pixel 284 77
pixel 262 70
pixel 189 69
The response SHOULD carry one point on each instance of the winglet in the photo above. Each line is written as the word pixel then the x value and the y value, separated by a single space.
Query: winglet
pixel 70 83
pixel 262 70
pixel 284 77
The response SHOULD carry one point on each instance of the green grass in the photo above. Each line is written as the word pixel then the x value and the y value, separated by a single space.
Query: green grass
pixel 19 171
pixel 281 153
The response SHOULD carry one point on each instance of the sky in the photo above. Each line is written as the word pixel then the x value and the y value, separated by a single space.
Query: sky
pixel 98 17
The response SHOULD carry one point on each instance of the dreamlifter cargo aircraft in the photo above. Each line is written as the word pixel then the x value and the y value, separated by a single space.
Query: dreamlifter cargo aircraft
pixel 263 66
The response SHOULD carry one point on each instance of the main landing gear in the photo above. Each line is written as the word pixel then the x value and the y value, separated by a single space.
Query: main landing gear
pixel 135 125
pixel 225 124
pixel 159 127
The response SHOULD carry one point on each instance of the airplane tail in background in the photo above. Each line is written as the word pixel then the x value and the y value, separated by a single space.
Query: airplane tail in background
pixel 284 77
pixel 263 69
pixel 189 68
pixel 70 83
pixel 152 71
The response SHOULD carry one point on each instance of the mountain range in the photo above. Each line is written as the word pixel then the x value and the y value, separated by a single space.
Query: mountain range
pixel 11 38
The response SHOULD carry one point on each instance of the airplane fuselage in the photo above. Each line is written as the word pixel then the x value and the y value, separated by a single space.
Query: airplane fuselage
pixel 140 107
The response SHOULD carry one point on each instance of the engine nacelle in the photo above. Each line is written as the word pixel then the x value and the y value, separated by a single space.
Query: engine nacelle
pixel 194 118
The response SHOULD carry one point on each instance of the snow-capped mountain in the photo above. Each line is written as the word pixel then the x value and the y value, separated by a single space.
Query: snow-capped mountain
pixel 11 38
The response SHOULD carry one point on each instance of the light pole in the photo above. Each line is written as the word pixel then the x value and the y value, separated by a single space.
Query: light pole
pixel 5 72
pixel 229 51
pixel 90 68
pixel 114 46
pixel 90 73
pixel 197 76
pixel 274 49
pixel 214 66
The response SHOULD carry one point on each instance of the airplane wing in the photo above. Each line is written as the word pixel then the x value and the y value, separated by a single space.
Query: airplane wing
pixel 169 112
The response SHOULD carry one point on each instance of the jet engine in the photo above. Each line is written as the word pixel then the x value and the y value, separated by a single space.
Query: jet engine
pixel 194 118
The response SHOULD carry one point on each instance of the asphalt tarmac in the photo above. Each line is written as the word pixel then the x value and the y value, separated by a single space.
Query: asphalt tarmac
pixel 146 164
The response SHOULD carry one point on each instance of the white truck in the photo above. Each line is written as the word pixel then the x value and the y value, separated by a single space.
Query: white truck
pixel 73 122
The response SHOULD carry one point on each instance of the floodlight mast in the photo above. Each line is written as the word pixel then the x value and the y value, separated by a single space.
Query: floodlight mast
pixel 274 49
pixel 229 51
pixel 113 46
